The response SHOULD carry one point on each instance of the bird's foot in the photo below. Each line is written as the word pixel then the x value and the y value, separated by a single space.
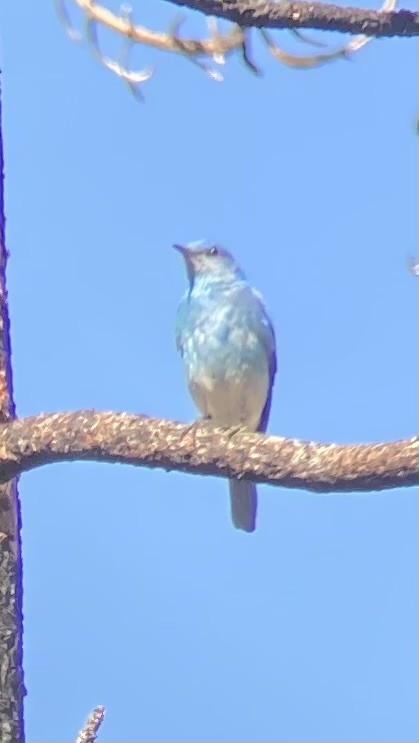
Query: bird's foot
pixel 194 427
pixel 233 430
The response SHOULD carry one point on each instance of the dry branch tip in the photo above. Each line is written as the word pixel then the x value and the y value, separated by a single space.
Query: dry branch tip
pixel 132 78
pixel 64 17
pixel 90 729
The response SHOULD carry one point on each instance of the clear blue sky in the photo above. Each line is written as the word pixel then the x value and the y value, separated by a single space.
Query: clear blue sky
pixel 139 594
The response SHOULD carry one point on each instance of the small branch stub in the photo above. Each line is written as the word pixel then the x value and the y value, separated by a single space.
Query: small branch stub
pixel 90 729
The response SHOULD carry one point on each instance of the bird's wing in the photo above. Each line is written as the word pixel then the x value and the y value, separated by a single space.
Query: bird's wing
pixel 181 318
pixel 263 329
pixel 178 340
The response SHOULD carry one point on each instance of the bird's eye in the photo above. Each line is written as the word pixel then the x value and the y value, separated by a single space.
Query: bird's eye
pixel 213 250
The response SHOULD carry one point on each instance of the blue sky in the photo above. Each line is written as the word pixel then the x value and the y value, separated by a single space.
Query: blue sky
pixel 138 592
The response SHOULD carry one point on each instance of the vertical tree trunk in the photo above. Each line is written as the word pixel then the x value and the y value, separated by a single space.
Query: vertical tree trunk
pixel 11 673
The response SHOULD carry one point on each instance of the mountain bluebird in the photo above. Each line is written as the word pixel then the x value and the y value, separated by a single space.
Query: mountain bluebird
pixel 227 344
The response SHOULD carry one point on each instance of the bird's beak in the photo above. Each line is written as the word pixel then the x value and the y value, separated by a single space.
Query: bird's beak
pixel 182 249
pixel 188 257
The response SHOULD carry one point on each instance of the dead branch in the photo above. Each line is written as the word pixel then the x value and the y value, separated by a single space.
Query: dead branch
pixel 300 14
pixel 91 727
pixel 215 48
pixel 139 440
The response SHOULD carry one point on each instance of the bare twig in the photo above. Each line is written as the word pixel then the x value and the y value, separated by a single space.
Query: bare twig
pixel 218 45
pixel 90 729
pixel 132 78
pixel 62 13
pixel 302 36
pixel 177 42
pixel 144 441
pixel 303 62
pixel 314 60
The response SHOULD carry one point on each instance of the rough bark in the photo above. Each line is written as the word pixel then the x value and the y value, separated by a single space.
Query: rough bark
pixel 284 14
pixel 140 440
pixel 90 729
pixel 11 672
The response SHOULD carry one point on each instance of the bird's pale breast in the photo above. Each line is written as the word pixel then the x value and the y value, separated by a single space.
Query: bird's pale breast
pixel 227 366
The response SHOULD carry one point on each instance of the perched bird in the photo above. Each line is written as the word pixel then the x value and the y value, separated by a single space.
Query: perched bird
pixel 227 344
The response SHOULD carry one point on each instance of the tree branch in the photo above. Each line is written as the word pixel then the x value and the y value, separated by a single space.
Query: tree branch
pixel 235 40
pixel 169 42
pixel 300 14
pixel 201 449
pixel 11 672
pixel 90 729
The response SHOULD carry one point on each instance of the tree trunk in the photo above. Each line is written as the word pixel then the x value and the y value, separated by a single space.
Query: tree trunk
pixel 11 673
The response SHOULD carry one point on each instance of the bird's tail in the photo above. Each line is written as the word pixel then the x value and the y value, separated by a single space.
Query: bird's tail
pixel 243 500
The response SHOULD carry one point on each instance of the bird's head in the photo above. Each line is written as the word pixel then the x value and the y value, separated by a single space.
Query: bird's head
pixel 209 263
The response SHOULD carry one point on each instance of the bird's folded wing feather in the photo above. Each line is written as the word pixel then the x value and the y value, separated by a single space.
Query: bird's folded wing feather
pixel 181 318
pixel 262 327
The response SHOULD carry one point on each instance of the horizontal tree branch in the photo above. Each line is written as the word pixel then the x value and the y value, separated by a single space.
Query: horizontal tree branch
pixel 202 449
pixel 300 14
